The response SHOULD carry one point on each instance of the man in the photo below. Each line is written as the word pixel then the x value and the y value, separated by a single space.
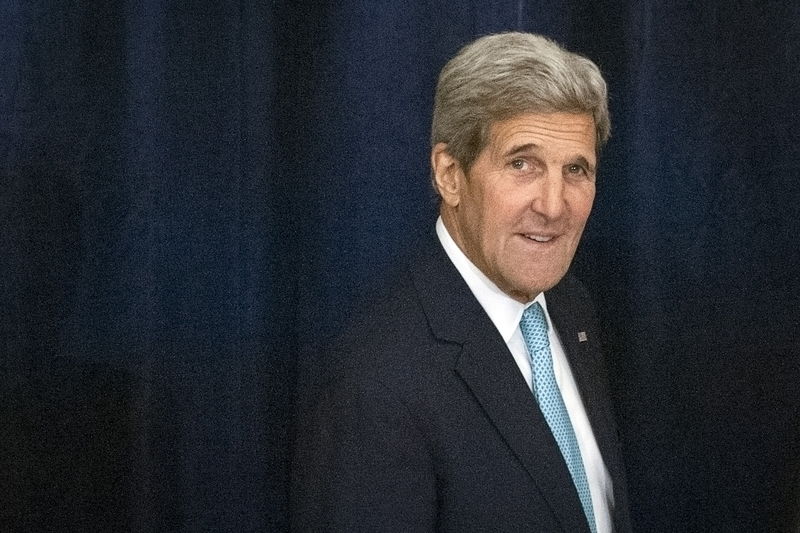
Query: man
pixel 471 395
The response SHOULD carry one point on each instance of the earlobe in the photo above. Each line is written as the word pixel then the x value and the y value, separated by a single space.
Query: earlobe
pixel 446 174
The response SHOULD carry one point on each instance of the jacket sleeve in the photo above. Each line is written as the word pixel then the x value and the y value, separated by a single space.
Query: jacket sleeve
pixel 360 463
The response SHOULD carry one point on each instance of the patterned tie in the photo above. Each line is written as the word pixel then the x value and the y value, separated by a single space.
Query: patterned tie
pixel 547 393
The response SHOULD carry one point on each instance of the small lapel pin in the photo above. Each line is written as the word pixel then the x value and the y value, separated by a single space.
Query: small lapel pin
pixel 582 336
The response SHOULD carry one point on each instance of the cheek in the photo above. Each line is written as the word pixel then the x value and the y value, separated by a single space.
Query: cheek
pixel 489 212
pixel 500 222
pixel 582 205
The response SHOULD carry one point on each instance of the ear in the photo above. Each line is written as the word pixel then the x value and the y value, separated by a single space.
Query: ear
pixel 447 175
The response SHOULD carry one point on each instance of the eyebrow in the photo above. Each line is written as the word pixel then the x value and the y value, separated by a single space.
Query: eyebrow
pixel 524 148
pixel 520 148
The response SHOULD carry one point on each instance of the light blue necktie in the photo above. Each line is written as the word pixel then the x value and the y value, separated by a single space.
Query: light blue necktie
pixel 547 393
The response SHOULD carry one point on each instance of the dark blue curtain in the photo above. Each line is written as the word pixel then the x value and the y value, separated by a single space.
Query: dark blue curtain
pixel 193 195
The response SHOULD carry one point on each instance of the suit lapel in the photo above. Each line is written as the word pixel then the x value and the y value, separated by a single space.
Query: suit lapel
pixel 574 321
pixel 492 376
pixel 488 369
pixel 583 361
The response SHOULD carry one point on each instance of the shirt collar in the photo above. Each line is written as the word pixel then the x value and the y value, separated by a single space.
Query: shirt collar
pixel 504 311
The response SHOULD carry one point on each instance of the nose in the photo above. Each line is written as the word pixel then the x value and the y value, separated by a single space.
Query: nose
pixel 549 200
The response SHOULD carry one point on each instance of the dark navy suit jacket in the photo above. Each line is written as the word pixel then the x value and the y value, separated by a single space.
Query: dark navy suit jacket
pixel 418 419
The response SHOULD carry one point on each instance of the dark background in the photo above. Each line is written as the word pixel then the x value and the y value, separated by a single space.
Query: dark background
pixel 190 192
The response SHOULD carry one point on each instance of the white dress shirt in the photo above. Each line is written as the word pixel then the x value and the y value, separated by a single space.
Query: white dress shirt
pixel 505 313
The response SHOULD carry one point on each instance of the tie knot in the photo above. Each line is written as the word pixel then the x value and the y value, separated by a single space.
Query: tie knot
pixel 534 327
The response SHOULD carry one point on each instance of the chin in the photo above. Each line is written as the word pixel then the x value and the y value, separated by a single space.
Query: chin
pixel 544 282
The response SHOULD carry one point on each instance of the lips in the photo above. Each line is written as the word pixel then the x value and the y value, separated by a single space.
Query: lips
pixel 538 237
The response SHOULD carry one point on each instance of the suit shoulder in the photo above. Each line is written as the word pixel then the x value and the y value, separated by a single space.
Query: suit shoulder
pixel 388 340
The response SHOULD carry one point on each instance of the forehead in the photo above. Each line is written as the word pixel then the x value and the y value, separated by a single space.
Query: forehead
pixel 545 131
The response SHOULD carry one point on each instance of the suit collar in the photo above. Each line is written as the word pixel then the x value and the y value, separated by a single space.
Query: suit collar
pixel 446 299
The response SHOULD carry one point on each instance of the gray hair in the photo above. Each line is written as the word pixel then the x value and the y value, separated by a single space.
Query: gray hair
pixel 500 76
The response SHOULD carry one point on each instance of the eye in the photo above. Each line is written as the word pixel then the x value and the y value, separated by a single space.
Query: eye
pixel 519 164
pixel 576 169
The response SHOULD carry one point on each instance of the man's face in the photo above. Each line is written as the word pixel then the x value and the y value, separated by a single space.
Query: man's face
pixel 520 211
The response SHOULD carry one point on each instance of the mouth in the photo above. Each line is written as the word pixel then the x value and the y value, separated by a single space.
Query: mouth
pixel 538 237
